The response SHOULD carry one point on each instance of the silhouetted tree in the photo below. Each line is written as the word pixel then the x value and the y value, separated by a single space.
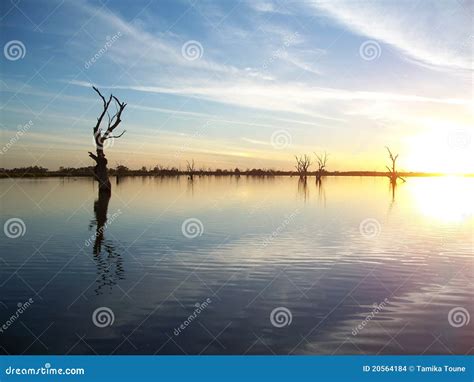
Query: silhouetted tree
pixel 100 170
pixel 392 171
pixel 121 169
pixel 322 161
pixel 302 165
pixel 190 169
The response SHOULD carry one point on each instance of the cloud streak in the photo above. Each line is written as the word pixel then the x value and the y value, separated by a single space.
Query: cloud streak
pixel 438 34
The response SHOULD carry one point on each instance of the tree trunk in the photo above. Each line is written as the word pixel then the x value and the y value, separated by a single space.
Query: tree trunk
pixel 101 172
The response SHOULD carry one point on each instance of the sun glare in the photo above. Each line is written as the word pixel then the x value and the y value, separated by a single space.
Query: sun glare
pixel 449 199
pixel 447 152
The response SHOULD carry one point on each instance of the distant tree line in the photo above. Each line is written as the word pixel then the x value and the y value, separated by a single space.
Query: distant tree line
pixel 190 171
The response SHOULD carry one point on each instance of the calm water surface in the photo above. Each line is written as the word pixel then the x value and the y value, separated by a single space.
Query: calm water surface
pixel 326 254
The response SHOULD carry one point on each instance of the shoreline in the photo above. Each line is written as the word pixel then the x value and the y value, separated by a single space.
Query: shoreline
pixel 269 174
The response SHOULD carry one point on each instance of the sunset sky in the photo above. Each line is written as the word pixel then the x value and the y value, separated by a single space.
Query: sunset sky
pixel 244 84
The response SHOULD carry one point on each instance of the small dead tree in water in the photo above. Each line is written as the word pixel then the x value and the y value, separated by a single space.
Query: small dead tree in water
pixel 100 170
pixel 302 165
pixel 190 169
pixel 392 171
pixel 322 161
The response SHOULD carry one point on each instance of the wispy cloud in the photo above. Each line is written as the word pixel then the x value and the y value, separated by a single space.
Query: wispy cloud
pixel 296 98
pixel 437 34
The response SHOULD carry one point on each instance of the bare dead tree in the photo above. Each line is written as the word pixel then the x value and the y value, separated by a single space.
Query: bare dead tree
pixel 302 165
pixel 190 169
pixel 392 171
pixel 100 170
pixel 322 160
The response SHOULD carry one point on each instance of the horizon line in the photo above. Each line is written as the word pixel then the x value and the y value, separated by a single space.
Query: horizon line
pixel 174 171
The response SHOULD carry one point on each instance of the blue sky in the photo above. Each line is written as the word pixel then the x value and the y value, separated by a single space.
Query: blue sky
pixel 245 84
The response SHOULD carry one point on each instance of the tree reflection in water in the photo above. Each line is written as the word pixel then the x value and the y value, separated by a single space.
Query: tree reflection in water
pixel 108 260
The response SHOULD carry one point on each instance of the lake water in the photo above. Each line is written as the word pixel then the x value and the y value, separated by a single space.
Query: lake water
pixel 275 266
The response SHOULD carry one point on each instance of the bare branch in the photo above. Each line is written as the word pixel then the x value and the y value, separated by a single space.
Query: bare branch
pixel 99 93
pixel 117 116
pixel 393 174
pixel 115 136
pixel 101 116
pixel 302 164
pixel 322 161
pixel 93 156
pixel 190 166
